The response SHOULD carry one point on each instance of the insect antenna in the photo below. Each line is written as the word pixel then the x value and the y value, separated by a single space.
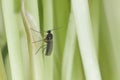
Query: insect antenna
pixel 55 29
pixel 47 30
pixel 35 30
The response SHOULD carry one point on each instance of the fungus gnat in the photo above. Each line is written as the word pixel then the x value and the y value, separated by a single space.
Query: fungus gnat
pixel 49 42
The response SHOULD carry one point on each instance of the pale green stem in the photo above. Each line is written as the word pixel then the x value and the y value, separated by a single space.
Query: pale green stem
pixel 2 68
pixel 112 13
pixel 36 62
pixel 29 38
pixel 48 24
pixel 13 39
pixel 86 42
pixel 68 55
pixel 94 6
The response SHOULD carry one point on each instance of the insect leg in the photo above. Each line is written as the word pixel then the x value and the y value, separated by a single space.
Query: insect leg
pixel 39 49
pixel 37 41
pixel 44 49
pixel 34 30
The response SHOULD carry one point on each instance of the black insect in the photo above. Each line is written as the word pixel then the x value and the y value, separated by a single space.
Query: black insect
pixel 49 42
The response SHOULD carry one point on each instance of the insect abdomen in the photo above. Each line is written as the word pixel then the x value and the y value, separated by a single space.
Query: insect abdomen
pixel 49 47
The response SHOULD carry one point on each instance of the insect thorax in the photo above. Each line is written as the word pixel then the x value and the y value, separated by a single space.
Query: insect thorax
pixel 49 36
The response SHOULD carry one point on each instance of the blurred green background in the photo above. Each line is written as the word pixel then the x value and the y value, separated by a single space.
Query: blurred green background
pixel 86 47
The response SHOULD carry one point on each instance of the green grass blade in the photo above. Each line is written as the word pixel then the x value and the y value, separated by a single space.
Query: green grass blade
pixel 68 55
pixel 86 41
pixel 2 68
pixel 12 32
pixel 29 16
